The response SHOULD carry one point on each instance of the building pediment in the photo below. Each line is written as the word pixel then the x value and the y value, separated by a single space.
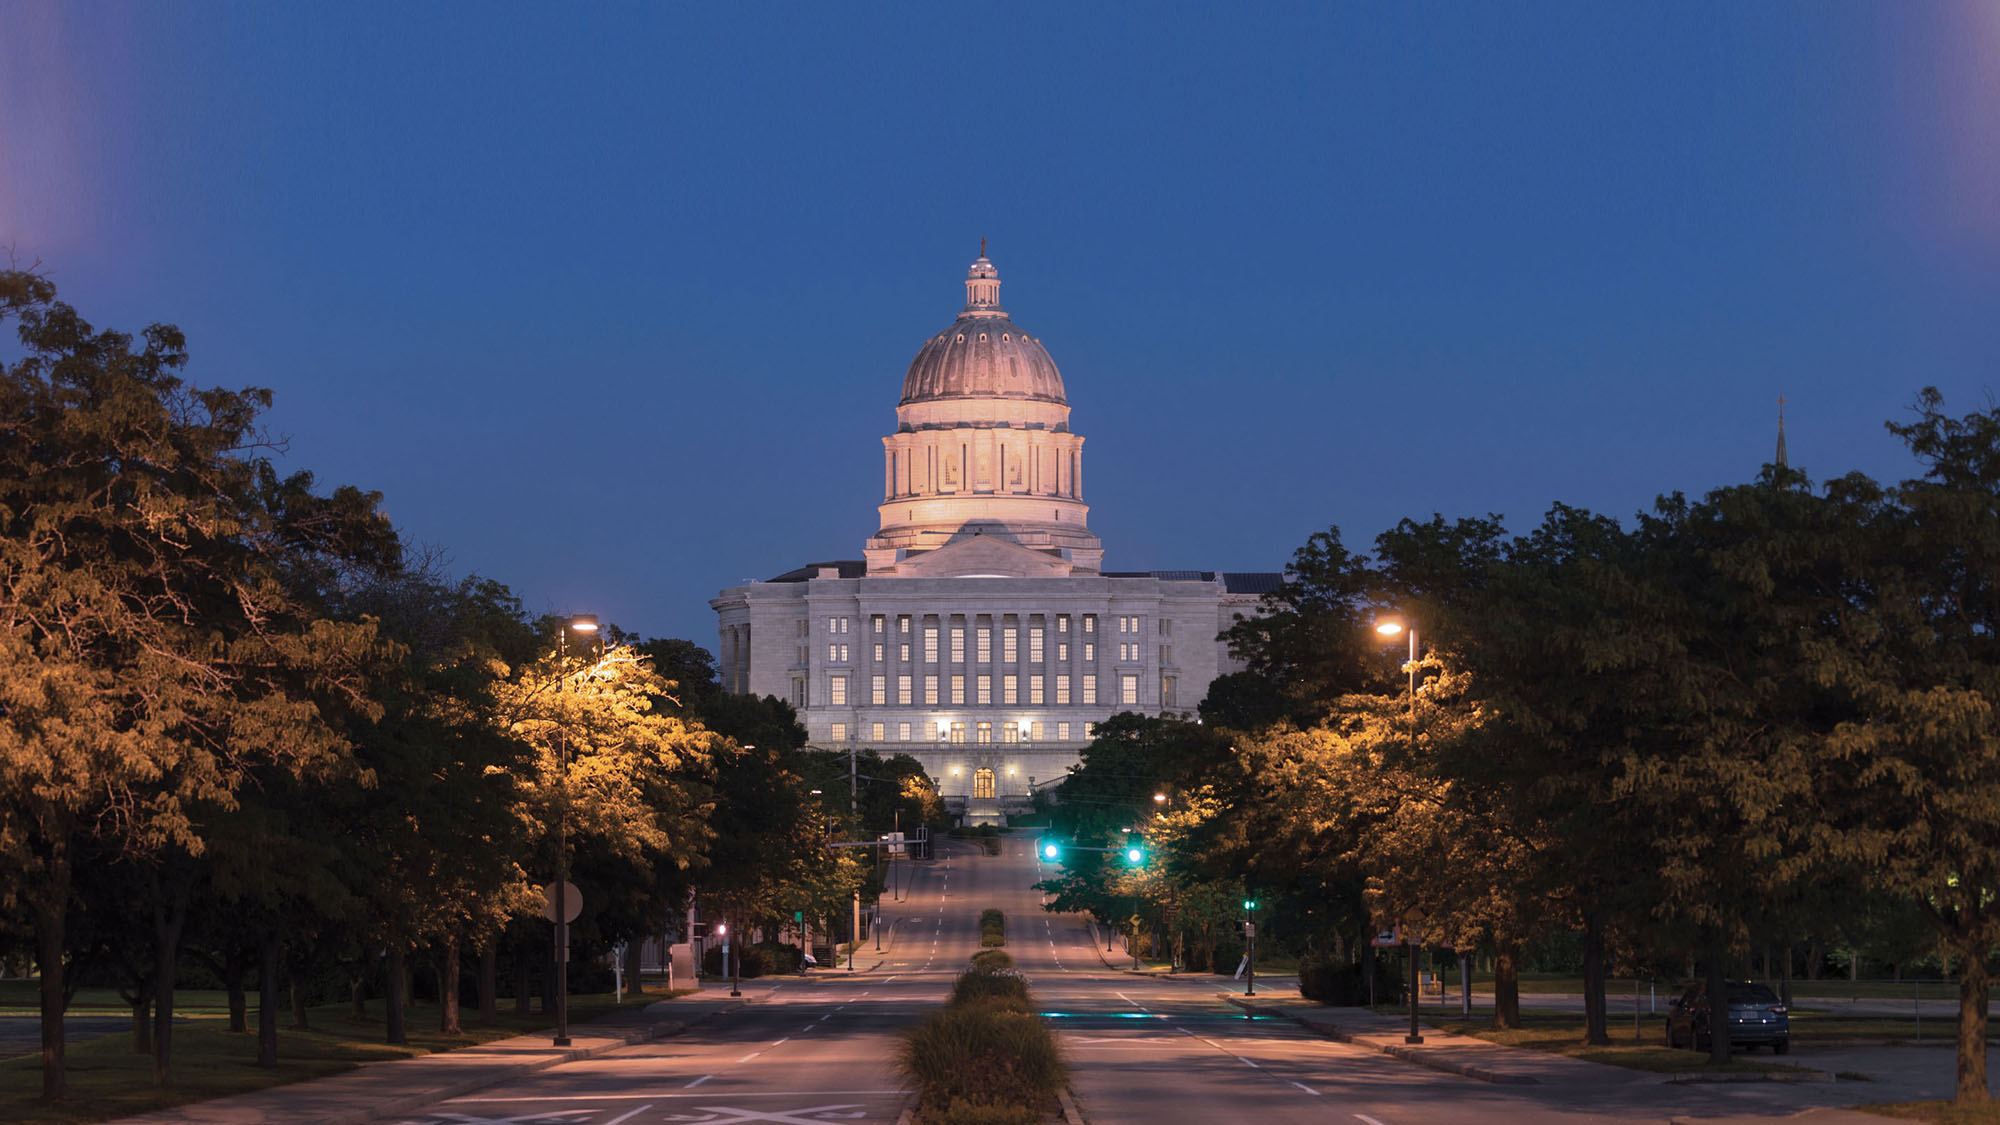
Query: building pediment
pixel 982 556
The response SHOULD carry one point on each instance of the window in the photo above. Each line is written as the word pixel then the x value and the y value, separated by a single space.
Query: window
pixel 958 644
pixel 803 631
pixel 983 651
pixel 903 623
pixel 903 653
pixel 1089 624
pixel 1035 732
pixel 930 690
pixel 1034 689
pixel 799 692
pixel 930 644
pixel 875 623
pixel 1089 652
pixel 982 778
pixel 1062 623
pixel 1166 654
pixel 958 732
pixel 1062 653
pixel 985 689
pixel 1124 652
pixel 1062 688
pixel 840 732
pixel 804 654
pixel 837 653
pixel 1010 732
pixel 1010 689
pixel 902 732
pixel 875 732
pixel 1090 730
pixel 1166 627
pixel 958 689
pixel 878 652
pixel 985 734
pixel 878 690
pixel 1167 691
pixel 1009 652
pixel 836 625
pixel 836 694
pixel 1035 646
pixel 936 730
pixel 1090 689
pixel 1128 689
pixel 903 691
pixel 1062 732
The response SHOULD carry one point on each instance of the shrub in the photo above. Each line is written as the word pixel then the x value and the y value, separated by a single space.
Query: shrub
pixel 979 1058
pixel 992 960
pixel 781 957
pixel 755 961
pixel 1341 983
pixel 1002 986
pixel 992 927
pixel 962 1112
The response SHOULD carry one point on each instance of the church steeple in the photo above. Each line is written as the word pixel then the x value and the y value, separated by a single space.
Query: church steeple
pixel 1782 463
pixel 982 287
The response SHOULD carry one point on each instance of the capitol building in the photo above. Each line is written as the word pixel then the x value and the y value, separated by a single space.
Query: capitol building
pixel 980 632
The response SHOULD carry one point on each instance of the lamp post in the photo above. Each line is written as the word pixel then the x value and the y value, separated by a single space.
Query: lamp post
pixel 583 624
pixel 1389 627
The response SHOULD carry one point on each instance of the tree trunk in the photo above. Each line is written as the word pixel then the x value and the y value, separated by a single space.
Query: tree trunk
pixel 268 949
pixel 169 918
pixel 1596 1029
pixel 300 1020
pixel 1367 970
pixel 448 989
pixel 1785 977
pixel 1815 959
pixel 489 981
pixel 1507 985
pixel 1974 985
pixel 51 916
pixel 233 972
pixel 398 1033
pixel 632 983
pixel 355 993
pixel 1718 999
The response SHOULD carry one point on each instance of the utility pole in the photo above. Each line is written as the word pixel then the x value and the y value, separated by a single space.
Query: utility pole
pixel 854 810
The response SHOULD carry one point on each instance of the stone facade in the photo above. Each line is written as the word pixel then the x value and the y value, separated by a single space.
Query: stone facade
pixel 980 633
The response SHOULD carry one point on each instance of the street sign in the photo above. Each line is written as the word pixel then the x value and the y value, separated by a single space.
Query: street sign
pixel 1249 929
pixel 572 902
pixel 1389 938
pixel 798 915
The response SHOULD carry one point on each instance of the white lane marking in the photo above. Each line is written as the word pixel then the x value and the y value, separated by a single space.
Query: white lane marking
pixel 697 1082
pixel 1306 1088
pixel 782 1042
pixel 1247 1062
pixel 1131 1001
pixel 624 1117
pixel 608 1097
pixel 826 1017
pixel 748 1057
pixel 1368 1119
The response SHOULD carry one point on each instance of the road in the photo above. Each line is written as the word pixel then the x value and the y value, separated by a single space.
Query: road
pixel 819 1048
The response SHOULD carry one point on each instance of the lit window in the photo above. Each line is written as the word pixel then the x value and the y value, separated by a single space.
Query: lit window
pixel 1034 646
pixel 875 732
pixel 930 690
pixel 902 623
pixel 1034 689
pixel 1062 653
pixel 1010 689
pixel 958 644
pixel 875 623
pixel 1062 622
pixel 1035 732
pixel 902 732
pixel 837 691
pixel 1128 689
pixel 958 732
pixel 1167 691
pixel 878 652
pixel 903 690
pixel 1090 689
pixel 983 651
pixel 1090 730
pixel 1009 653
pixel 903 653
pixel 1010 732
pixel 985 689
pixel 878 690
pixel 840 732
pixel 982 778
pixel 1089 624
pixel 930 644
pixel 1089 652
pixel 958 689
pixel 1062 732
pixel 985 734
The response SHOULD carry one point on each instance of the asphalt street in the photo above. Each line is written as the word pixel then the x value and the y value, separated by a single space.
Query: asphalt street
pixel 819 1048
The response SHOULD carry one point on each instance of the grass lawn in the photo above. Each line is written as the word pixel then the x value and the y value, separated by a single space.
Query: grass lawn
pixel 1535 984
pixel 1563 1035
pixel 1944 1113
pixel 107 1079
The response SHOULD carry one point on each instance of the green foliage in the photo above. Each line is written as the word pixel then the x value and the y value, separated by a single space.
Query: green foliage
pixel 992 927
pixel 1343 984
pixel 992 960
pixel 986 1052
pixel 991 986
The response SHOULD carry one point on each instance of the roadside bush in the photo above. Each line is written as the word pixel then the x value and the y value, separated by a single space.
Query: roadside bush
pixel 781 957
pixel 1342 984
pixel 992 960
pixel 979 1062
pixel 1002 986
pixel 992 927
pixel 756 961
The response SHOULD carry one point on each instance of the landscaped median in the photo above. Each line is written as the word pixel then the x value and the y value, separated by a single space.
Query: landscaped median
pixel 992 928
pixel 986 1058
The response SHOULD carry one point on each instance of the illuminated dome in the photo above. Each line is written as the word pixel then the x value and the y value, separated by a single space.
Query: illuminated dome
pixel 983 354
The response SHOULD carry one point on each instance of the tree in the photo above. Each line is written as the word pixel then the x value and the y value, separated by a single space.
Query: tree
pixel 151 652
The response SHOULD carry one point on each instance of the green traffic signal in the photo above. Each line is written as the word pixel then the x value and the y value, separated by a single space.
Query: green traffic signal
pixel 1135 856
pixel 1249 904
pixel 1050 850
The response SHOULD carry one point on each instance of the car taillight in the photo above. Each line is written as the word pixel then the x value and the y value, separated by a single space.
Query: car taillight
pixel 1776 1009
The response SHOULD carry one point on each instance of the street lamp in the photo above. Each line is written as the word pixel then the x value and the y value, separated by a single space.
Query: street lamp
pixel 1389 627
pixel 585 625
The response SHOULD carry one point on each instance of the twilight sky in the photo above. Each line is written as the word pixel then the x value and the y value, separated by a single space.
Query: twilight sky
pixel 614 302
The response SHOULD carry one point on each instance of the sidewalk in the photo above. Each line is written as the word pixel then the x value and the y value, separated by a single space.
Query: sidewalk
pixel 398 1086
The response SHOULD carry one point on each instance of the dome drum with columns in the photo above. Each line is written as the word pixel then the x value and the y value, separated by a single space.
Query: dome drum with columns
pixel 981 634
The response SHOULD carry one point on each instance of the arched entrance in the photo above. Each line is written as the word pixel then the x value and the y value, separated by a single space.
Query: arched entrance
pixel 982 784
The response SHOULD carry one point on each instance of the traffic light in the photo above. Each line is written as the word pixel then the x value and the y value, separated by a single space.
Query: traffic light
pixel 1051 850
pixel 1249 904
pixel 1135 856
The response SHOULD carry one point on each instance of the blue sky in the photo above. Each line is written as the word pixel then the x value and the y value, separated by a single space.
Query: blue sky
pixel 614 302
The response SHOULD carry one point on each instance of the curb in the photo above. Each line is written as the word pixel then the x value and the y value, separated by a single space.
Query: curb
pixel 1072 1113
pixel 1690 1078
pixel 1426 1059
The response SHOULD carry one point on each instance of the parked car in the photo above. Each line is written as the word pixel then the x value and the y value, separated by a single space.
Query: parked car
pixel 1756 1015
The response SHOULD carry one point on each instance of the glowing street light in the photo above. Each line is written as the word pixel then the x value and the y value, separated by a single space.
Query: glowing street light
pixel 1389 627
pixel 583 624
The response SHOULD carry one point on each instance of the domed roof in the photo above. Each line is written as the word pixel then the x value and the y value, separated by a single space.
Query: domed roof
pixel 983 354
